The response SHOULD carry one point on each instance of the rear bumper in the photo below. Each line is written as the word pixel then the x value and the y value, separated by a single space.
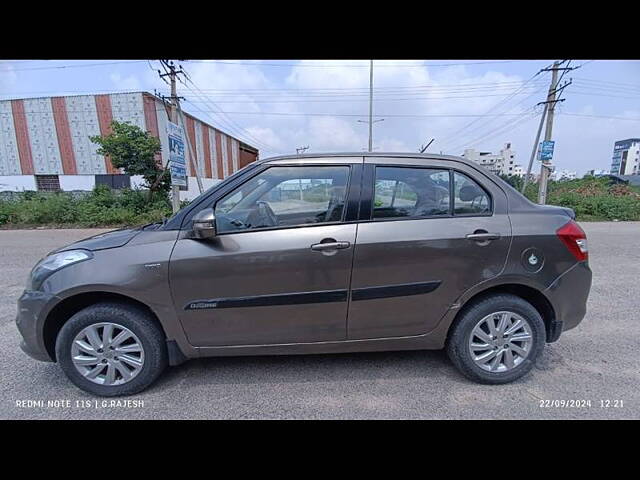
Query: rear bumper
pixel 568 295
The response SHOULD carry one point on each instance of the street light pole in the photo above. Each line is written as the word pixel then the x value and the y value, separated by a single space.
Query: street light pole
pixel 371 121
pixel 371 105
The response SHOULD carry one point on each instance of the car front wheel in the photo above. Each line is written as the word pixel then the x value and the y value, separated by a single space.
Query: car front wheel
pixel 497 340
pixel 111 349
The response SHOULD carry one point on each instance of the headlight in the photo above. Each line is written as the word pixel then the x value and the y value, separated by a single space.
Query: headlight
pixel 55 262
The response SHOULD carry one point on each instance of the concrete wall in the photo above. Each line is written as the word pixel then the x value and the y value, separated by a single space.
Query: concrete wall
pixel 77 182
pixel 17 183
pixel 20 183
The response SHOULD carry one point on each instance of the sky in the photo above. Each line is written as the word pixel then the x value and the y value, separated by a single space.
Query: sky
pixel 281 105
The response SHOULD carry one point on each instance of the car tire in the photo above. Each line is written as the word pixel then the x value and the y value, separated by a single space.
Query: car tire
pixel 491 309
pixel 144 335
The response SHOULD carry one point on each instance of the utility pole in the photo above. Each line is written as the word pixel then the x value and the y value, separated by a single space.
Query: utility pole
pixel 550 106
pixel 533 152
pixel 301 150
pixel 171 72
pixel 371 121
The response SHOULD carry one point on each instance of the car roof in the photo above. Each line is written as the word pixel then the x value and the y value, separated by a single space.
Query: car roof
pixel 426 156
pixel 414 156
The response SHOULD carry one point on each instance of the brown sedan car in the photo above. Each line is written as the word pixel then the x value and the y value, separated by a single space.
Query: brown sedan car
pixel 317 254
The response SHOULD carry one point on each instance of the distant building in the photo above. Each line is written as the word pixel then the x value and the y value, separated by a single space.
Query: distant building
pixel 596 173
pixel 518 171
pixel 44 143
pixel 564 175
pixel 502 163
pixel 626 157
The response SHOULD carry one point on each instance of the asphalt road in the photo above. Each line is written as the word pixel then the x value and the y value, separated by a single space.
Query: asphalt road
pixel 599 361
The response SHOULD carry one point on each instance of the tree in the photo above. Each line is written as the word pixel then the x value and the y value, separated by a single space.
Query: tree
pixel 132 149
pixel 514 180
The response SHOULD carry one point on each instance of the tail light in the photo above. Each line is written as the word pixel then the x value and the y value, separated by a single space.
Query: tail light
pixel 575 239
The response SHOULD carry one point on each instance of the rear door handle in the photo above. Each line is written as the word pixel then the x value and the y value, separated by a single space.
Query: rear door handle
pixel 483 237
pixel 320 247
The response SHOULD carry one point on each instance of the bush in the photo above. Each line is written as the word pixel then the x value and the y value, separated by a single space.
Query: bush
pixel 101 207
pixel 592 198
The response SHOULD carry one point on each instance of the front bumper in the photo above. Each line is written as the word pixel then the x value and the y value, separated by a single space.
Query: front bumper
pixel 568 295
pixel 32 308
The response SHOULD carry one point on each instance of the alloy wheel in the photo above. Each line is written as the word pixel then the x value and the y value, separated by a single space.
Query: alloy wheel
pixel 107 354
pixel 500 341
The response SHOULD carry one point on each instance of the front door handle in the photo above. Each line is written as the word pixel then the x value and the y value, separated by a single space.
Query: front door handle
pixel 483 237
pixel 321 247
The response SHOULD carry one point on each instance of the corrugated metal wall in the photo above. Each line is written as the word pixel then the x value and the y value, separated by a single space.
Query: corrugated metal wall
pixel 51 135
pixel 9 159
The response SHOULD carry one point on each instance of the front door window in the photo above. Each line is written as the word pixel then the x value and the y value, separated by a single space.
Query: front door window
pixel 285 197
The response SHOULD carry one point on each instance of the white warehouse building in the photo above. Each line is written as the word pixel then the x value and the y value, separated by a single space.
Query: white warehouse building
pixel 44 142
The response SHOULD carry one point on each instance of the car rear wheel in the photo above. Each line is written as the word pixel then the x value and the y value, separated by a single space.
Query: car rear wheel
pixel 111 349
pixel 497 340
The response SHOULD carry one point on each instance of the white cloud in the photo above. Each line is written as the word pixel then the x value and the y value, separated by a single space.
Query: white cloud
pixel 440 97
pixel 332 134
pixel 267 135
pixel 130 82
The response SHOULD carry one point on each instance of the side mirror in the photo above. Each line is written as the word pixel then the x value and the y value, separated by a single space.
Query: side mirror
pixel 204 224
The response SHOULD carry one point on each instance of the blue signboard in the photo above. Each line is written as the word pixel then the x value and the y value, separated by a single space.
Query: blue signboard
pixel 546 150
pixel 177 164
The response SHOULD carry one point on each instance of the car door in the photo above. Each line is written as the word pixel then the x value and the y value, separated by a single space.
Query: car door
pixel 428 231
pixel 279 267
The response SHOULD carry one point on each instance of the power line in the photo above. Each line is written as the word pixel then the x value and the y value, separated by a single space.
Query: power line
pixel 317 114
pixel 582 89
pixel 497 106
pixel 511 82
pixel 234 127
pixel 361 115
pixel 391 94
pixel 501 129
pixel 342 100
pixel 589 80
pixel 334 65
pixel 248 134
pixel 600 116
pixel 226 121
pixel 293 92
pixel 606 88
pixel 491 118
pixel 605 95
pixel 72 66
pixel 230 127
pixel 350 90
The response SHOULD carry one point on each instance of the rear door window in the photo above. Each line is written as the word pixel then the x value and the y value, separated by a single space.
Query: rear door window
pixel 469 197
pixel 404 192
